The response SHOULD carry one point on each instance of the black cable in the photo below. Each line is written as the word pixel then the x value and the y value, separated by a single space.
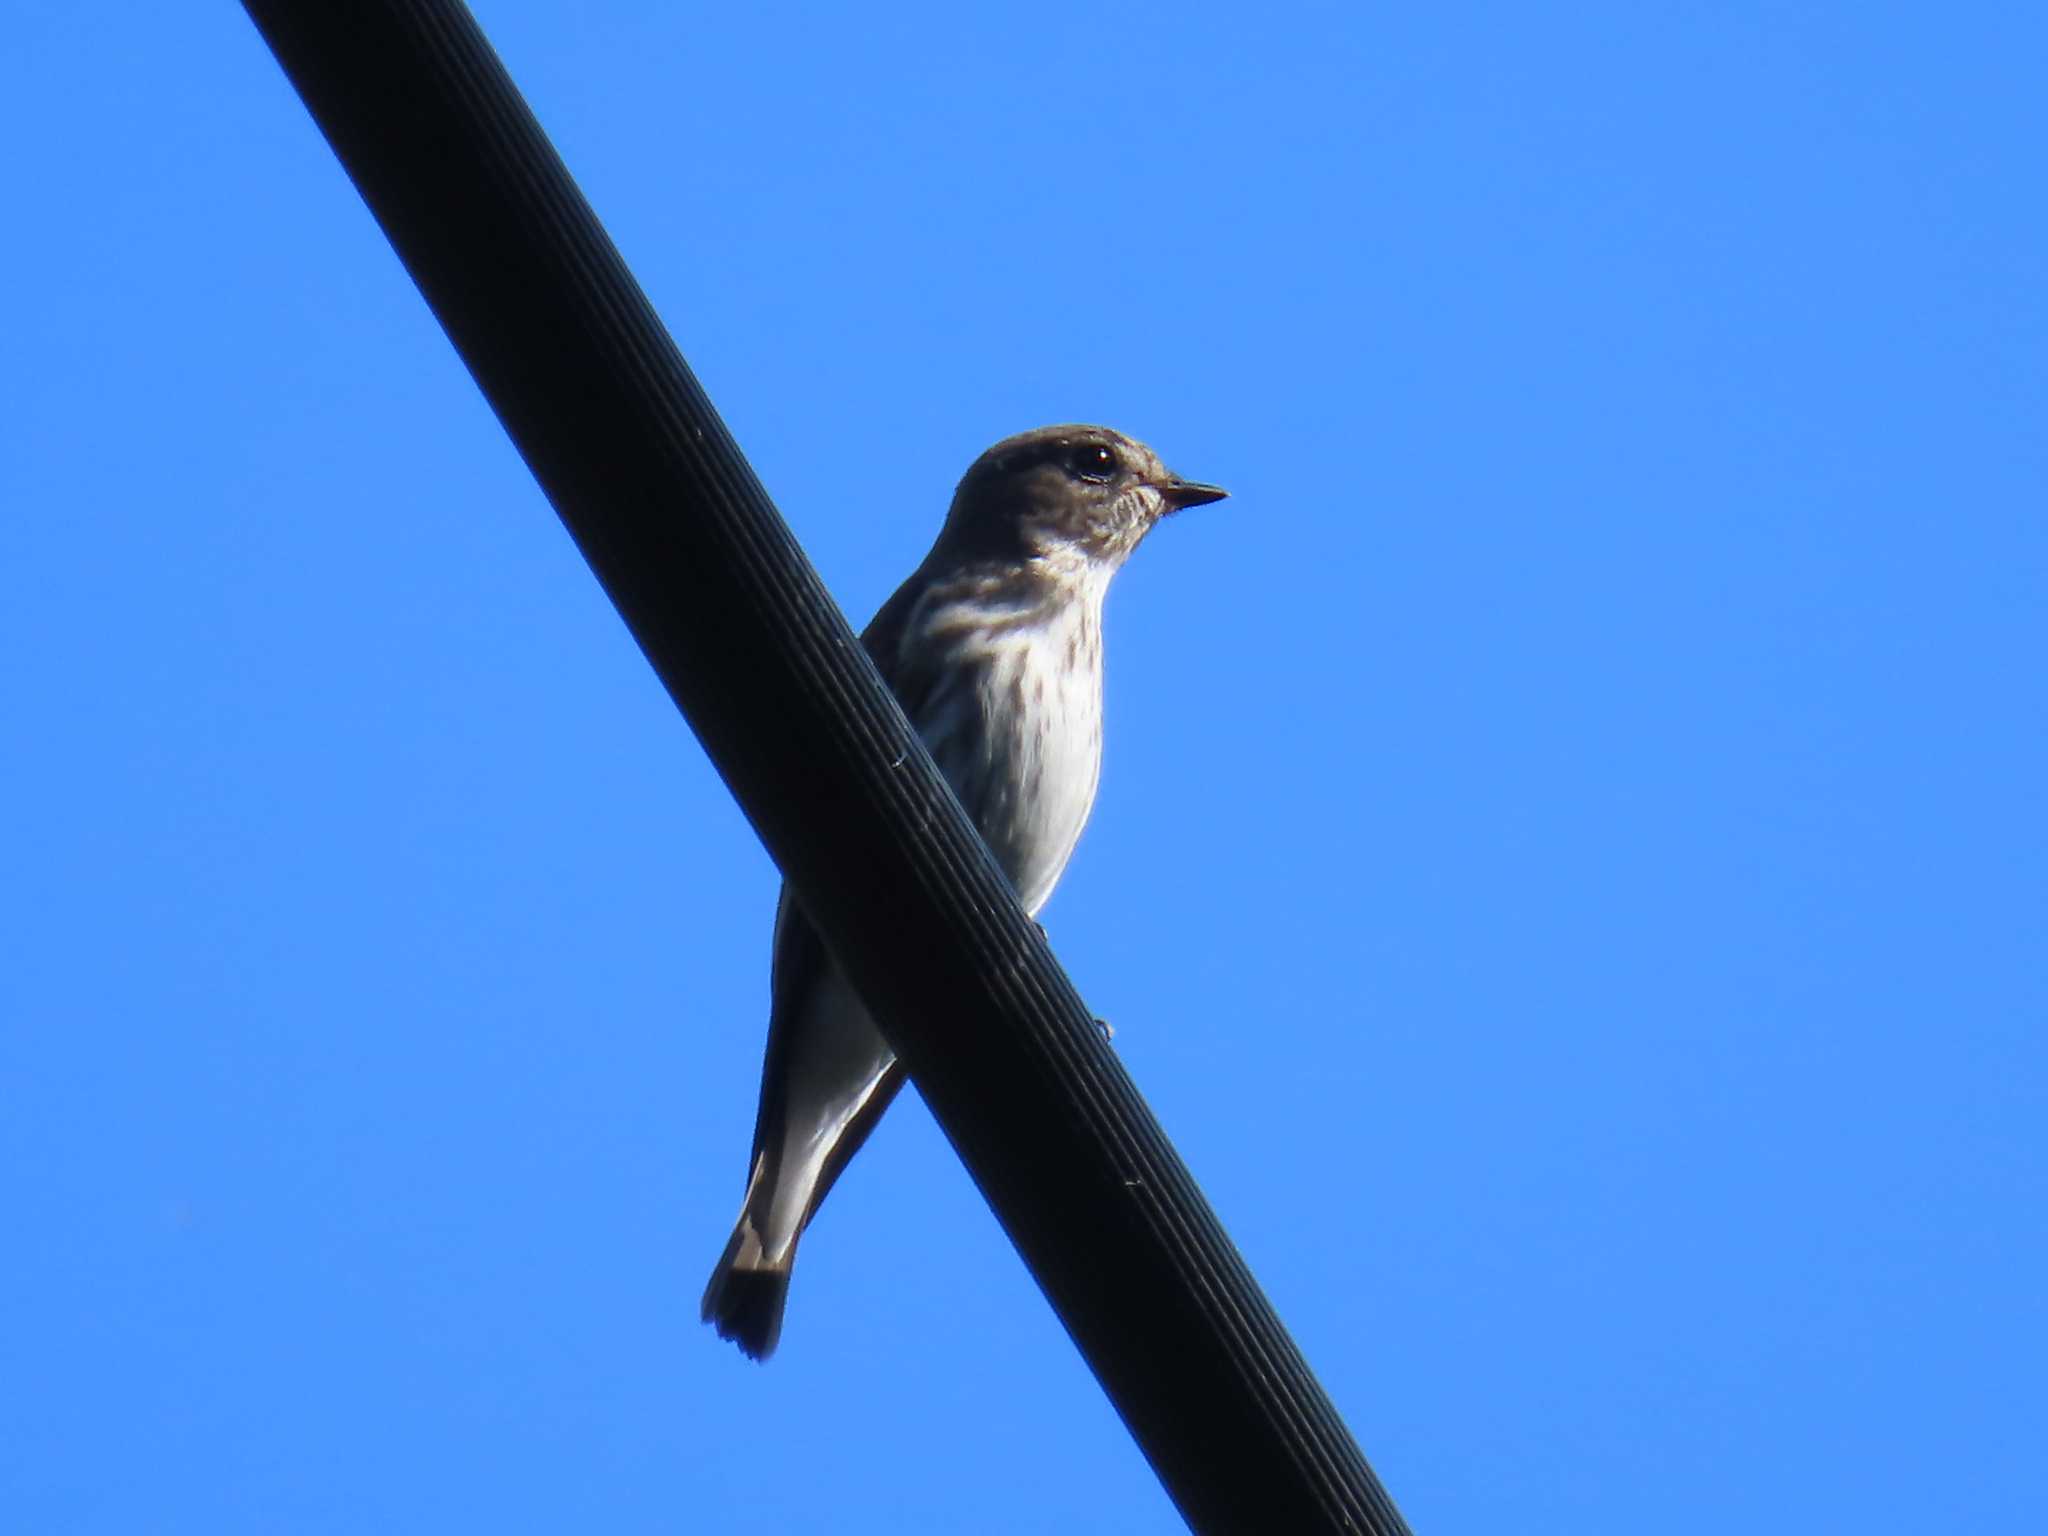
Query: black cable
pixel 732 617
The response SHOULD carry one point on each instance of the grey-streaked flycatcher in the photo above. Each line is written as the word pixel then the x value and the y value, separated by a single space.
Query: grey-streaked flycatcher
pixel 994 649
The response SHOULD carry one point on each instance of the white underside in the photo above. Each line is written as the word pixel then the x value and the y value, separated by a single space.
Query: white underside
pixel 1031 816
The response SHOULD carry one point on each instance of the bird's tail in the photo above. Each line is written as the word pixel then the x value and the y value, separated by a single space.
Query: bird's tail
pixel 748 1289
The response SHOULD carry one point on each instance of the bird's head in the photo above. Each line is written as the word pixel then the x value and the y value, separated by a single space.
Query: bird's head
pixel 1065 494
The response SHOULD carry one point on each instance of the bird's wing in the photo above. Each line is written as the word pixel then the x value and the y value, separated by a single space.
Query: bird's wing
pixel 799 959
pixel 800 966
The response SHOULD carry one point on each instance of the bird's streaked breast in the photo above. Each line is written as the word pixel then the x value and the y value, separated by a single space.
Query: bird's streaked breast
pixel 1017 730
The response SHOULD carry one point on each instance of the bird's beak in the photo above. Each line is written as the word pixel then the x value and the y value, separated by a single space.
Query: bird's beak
pixel 1179 493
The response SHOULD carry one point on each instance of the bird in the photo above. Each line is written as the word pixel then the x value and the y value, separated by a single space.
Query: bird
pixel 993 647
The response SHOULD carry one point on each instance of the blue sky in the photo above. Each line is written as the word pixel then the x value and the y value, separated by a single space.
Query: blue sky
pixel 1569 869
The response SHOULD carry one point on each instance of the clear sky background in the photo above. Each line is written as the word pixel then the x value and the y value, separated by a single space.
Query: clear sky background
pixel 1572 862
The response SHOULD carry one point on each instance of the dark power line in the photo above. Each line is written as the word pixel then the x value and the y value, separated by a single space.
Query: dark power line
pixel 729 612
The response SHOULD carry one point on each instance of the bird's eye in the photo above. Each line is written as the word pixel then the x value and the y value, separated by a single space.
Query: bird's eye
pixel 1094 461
